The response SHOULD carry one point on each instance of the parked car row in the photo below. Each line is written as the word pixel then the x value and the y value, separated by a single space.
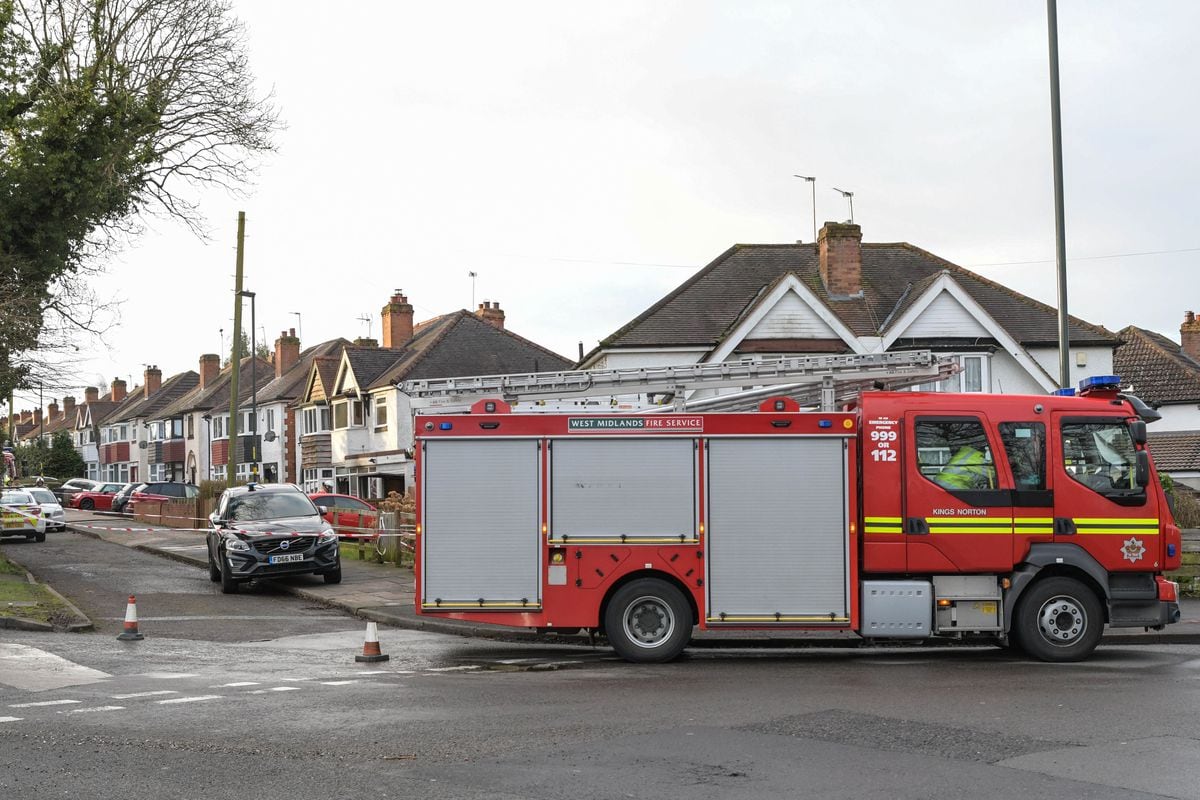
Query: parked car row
pixel 21 515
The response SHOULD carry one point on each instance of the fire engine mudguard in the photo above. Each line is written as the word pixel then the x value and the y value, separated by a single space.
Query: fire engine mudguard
pixel 1047 559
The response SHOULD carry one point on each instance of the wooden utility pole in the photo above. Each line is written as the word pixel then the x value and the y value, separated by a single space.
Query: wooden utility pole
pixel 235 365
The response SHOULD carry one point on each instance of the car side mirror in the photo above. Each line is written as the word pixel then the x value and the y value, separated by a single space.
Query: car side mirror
pixel 1137 430
pixel 1141 468
pixel 214 520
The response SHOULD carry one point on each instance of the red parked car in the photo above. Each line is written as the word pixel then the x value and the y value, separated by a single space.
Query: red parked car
pixel 98 499
pixel 351 517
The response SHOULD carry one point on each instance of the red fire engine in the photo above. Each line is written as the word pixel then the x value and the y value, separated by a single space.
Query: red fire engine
pixel 1035 520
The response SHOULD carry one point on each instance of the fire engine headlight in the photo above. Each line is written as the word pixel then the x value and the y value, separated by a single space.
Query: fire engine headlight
pixel 328 535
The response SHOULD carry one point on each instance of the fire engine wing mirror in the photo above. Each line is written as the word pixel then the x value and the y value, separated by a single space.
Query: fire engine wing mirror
pixel 1144 411
pixel 1137 430
pixel 1141 468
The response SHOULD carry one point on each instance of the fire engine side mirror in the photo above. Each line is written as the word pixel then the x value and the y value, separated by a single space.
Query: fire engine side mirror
pixel 1141 468
pixel 1137 430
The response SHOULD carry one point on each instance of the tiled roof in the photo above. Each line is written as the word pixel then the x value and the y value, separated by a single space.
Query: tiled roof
pixel 1155 368
pixel 290 385
pixel 1175 451
pixel 460 344
pixel 704 308
pixel 216 394
pixel 137 405
pixel 368 363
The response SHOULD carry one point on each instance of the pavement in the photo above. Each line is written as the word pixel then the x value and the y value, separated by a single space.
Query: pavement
pixel 385 594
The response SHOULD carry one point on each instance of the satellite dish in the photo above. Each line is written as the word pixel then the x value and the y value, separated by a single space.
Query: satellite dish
pixel 142 445
pixel 269 436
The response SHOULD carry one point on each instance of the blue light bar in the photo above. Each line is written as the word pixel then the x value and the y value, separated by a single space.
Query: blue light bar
pixel 1099 382
pixel 825 423
pixel 1068 392
pixel 445 426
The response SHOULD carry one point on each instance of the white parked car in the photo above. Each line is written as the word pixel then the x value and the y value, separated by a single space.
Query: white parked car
pixel 20 515
pixel 52 510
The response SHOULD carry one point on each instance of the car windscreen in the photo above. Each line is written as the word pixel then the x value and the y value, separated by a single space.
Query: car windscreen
pixel 269 505
pixel 15 499
pixel 43 495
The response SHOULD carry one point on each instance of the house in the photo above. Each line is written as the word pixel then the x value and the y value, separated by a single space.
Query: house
pixel 135 445
pixel 90 416
pixel 196 426
pixel 367 421
pixel 842 296
pixel 1166 375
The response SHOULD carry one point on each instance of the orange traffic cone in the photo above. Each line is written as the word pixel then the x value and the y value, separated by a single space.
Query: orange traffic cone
pixel 371 652
pixel 130 634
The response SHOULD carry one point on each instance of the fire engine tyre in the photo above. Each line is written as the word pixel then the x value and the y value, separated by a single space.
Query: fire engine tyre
pixel 1059 619
pixel 648 621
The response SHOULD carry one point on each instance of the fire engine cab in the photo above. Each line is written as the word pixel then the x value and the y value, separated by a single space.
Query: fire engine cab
pixel 1035 520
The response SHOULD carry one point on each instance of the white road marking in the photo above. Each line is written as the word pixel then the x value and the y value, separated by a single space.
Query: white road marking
pixel 45 703
pixel 168 676
pixel 10 719
pixel 285 688
pixel 470 668
pixel 34 670
pixel 257 691
pixel 338 683
pixel 143 694
pixel 92 709
pixel 372 672
pixel 236 683
pixel 189 699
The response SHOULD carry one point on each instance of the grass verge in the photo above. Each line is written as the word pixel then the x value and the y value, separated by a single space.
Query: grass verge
pixel 19 598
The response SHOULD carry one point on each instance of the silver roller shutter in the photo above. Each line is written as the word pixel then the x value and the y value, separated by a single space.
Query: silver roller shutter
pixel 639 488
pixel 777 528
pixel 481 537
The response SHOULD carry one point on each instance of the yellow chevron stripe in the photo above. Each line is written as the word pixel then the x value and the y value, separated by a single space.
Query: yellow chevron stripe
pixel 972 531
pixel 883 529
pixel 1115 521
pixel 885 520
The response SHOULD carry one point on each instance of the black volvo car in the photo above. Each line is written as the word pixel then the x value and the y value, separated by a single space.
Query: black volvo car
pixel 268 531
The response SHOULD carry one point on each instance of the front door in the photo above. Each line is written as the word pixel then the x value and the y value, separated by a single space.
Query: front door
pixel 958 514
pixel 1097 502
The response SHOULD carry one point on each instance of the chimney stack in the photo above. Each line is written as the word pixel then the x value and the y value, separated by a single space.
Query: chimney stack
pixel 118 390
pixel 397 321
pixel 1189 336
pixel 210 368
pixel 26 417
pixel 37 417
pixel 53 410
pixel 91 394
pixel 839 248
pixel 491 314
pixel 287 351
pixel 363 341
pixel 69 408
pixel 153 380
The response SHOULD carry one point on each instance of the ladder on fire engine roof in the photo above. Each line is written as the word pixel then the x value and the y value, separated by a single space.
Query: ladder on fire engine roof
pixel 813 380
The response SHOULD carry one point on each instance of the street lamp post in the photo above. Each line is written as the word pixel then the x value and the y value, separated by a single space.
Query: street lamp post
pixel 253 390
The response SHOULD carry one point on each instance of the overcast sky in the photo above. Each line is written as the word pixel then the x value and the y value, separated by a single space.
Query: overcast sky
pixel 586 159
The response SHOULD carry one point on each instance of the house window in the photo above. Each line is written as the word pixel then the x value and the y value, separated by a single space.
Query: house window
pixel 316 419
pixel 381 412
pixel 314 479
pixel 975 376
pixel 177 428
pixel 191 427
pixel 340 416
pixel 219 425
pixel 218 472
pixel 356 413
pixel 270 419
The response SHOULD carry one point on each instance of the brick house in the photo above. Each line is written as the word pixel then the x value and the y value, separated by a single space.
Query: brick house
pixel 1166 375
pixel 842 296
pixel 135 444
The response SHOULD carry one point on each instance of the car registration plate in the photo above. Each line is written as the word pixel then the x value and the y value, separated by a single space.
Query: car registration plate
pixel 287 559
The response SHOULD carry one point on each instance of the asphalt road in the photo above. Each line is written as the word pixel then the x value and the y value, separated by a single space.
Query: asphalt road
pixel 287 713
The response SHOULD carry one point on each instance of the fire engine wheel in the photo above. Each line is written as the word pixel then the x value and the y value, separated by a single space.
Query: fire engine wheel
pixel 1059 619
pixel 648 621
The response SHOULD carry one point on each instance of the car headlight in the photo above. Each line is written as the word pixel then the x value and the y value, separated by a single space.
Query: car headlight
pixel 236 544
pixel 327 536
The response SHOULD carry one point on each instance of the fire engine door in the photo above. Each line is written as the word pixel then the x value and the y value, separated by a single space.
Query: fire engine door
pixel 481 541
pixel 958 513
pixel 1098 503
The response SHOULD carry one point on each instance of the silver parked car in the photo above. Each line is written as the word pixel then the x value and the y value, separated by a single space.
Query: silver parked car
pixel 52 510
